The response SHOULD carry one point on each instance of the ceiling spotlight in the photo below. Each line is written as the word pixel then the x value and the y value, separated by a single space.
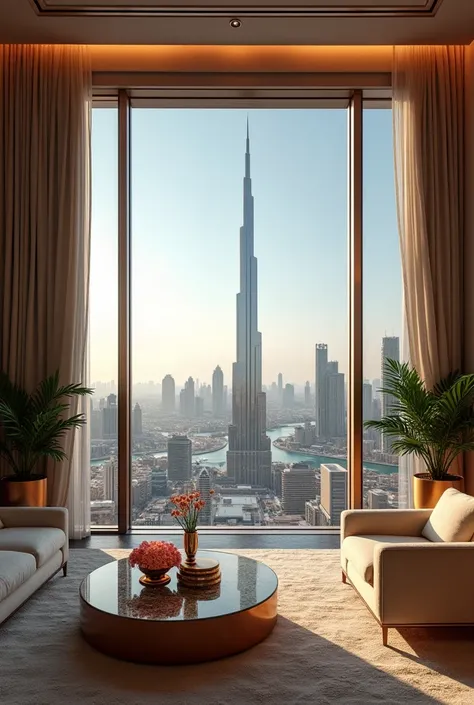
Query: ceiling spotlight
pixel 235 24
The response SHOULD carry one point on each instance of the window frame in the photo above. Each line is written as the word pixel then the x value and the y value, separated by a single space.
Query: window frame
pixel 353 92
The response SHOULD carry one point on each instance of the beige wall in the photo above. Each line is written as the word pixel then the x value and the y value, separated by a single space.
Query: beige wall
pixel 241 58
pixel 469 243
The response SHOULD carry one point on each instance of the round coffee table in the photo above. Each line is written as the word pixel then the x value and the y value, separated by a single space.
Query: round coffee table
pixel 176 624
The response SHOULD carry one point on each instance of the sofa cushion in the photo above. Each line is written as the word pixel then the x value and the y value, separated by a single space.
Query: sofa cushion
pixel 1 525
pixel 15 569
pixel 41 542
pixel 452 519
pixel 359 551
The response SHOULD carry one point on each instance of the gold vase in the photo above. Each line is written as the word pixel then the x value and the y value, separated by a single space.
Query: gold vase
pixel 191 541
pixel 154 578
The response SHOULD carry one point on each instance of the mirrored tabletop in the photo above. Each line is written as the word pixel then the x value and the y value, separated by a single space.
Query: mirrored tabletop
pixel 115 589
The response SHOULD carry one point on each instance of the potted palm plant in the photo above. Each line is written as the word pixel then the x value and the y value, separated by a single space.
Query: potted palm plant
pixel 32 428
pixel 435 425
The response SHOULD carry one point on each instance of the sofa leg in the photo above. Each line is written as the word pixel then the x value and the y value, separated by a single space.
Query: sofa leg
pixel 344 578
pixel 384 635
pixel 65 569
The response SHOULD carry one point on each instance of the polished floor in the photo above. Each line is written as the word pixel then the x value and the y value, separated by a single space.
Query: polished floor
pixel 216 541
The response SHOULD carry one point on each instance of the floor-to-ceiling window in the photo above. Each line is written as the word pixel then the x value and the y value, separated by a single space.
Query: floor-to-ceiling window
pixel 103 322
pixel 382 309
pixel 239 330
pixel 239 314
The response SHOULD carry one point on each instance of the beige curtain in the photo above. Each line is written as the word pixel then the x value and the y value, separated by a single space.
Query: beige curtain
pixel 428 119
pixel 45 100
pixel 428 114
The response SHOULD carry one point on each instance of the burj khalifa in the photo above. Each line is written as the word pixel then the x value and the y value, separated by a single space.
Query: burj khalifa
pixel 249 458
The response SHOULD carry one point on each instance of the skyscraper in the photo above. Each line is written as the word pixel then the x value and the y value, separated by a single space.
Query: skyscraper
pixel 333 493
pixel 288 396
pixel 280 387
pixel 168 394
pixel 249 456
pixel 179 458
pixel 110 417
pixel 307 395
pixel 217 392
pixel 188 398
pixel 336 412
pixel 204 487
pixel 367 401
pixel 390 350
pixel 298 486
pixel 137 426
pixel 320 397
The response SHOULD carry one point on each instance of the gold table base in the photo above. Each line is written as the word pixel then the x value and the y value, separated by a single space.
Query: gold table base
pixel 203 573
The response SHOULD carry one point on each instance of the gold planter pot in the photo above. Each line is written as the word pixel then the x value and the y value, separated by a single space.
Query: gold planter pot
pixel 426 492
pixel 25 493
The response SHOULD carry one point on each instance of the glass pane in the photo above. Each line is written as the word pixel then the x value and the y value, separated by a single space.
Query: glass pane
pixel 103 318
pixel 239 314
pixel 382 304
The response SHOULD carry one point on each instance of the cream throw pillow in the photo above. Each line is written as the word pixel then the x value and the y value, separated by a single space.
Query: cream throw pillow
pixel 452 519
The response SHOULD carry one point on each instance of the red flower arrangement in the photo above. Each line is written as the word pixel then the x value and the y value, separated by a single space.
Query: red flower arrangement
pixel 187 509
pixel 155 555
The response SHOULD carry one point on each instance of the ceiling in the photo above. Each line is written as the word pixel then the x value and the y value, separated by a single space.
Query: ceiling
pixel 291 22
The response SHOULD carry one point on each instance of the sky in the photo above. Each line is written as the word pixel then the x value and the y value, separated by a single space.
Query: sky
pixel 187 168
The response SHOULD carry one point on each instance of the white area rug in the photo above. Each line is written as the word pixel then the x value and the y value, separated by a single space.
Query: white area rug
pixel 326 648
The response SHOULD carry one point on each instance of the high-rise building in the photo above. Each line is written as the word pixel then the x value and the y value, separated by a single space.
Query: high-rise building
pixel 312 512
pixel 111 480
pixel 367 401
pixel 333 493
pixel 288 396
pixel 159 484
pixel 137 425
pixel 179 458
pixel 218 392
pixel 110 417
pixel 249 457
pixel 188 398
pixel 309 433
pixel 204 487
pixel 307 395
pixel 298 486
pixel 168 394
pixel 299 435
pixel 377 499
pixel 320 394
pixel 329 396
pixel 199 407
pixel 96 423
pixel 336 412
pixel 280 387
pixel 390 350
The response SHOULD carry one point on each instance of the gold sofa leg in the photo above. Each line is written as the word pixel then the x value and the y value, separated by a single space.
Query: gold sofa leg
pixel 344 578
pixel 384 635
pixel 65 569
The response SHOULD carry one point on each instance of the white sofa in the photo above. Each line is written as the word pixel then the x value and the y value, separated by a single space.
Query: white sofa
pixel 33 547
pixel 405 579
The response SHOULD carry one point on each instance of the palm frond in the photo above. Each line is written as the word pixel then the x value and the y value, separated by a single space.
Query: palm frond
pixel 34 426
pixel 435 424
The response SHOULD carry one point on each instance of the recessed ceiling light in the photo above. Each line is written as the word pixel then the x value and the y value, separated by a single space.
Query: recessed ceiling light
pixel 235 24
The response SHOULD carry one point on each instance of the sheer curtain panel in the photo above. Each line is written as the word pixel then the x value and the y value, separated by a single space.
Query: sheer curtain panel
pixel 428 116
pixel 45 102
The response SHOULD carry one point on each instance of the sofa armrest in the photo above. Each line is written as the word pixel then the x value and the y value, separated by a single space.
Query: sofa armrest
pixel 56 517
pixel 424 583
pixel 389 522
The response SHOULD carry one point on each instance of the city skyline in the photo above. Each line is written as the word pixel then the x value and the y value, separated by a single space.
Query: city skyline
pixel 185 259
